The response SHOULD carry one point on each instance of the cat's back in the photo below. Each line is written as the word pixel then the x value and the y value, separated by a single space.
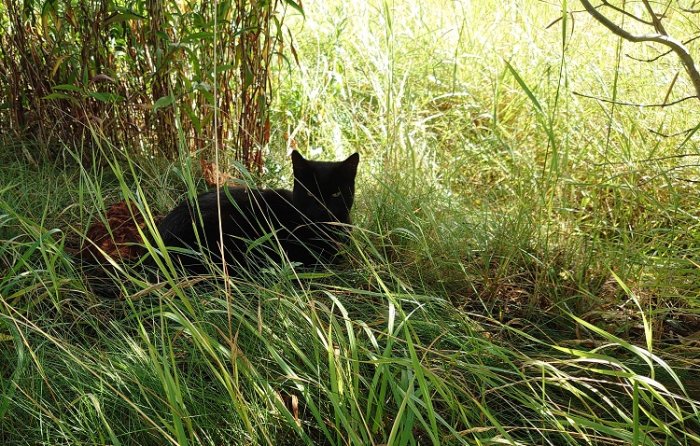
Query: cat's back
pixel 235 203
pixel 247 201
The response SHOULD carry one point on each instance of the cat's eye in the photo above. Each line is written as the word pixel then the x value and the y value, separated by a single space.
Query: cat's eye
pixel 336 195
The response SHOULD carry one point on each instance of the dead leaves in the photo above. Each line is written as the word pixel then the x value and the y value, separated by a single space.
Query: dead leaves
pixel 212 175
pixel 291 403
pixel 119 238
pixel 117 235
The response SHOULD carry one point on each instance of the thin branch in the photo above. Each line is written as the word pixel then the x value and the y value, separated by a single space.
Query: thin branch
pixel 658 26
pixel 632 104
pixel 668 41
pixel 692 9
pixel 665 53
pixel 625 13
pixel 670 157
pixel 669 170
pixel 572 13
pixel 672 135
pixel 664 14
pixel 670 87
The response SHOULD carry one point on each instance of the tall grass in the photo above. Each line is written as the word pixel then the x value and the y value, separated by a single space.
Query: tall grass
pixel 522 270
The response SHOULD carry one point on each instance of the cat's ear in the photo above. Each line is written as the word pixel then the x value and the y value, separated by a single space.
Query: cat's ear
pixel 351 162
pixel 299 163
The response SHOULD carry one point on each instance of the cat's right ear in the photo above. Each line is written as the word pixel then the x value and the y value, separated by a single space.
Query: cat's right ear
pixel 298 161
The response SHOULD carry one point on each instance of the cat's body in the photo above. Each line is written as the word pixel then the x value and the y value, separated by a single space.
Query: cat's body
pixel 306 224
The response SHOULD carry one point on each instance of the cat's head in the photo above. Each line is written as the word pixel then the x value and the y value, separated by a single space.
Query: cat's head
pixel 324 190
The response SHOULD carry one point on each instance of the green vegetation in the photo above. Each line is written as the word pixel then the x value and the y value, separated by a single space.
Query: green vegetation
pixel 524 268
pixel 69 72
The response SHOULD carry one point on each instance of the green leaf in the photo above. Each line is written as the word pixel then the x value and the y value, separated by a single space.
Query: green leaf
pixel 58 96
pixel 123 17
pixel 66 87
pixel 207 95
pixel 309 275
pixel 105 97
pixel 296 6
pixel 194 119
pixel 223 10
pixel 525 87
pixel 165 101
pixel 48 10
pixel 260 242
pixel 225 67
pixel 198 37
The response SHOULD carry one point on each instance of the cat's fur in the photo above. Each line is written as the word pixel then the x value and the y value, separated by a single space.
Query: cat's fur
pixel 306 224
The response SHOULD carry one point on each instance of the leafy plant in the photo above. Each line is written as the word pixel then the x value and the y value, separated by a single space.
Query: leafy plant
pixel 167 76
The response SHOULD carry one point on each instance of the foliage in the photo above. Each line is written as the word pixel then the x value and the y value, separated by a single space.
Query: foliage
pixel 153 76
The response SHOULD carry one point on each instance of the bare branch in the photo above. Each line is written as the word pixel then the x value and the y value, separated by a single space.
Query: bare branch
pixel 625 13
pixel 658 26
pixel 632 104
pixel 669 170
pixel 670 87
pixel 692 9
pixel 668 41
pixel 665 53
pixel 672 135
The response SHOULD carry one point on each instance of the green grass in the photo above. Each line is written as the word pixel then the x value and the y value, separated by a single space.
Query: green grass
pixel 523 269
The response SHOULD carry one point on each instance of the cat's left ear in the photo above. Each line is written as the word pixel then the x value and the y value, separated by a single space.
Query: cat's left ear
pixel 351 163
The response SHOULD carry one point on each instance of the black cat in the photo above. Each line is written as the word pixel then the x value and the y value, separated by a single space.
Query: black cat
pixel 307 224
